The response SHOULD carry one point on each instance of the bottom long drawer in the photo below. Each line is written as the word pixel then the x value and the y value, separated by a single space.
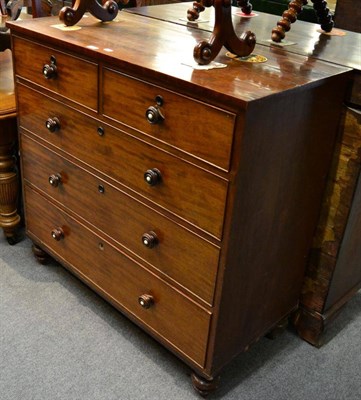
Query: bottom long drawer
pixel 156 305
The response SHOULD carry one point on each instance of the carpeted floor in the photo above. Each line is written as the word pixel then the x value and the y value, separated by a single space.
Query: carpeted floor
pixel 59 340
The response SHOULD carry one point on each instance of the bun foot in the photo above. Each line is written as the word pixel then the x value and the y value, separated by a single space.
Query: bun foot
pixel 40 255
pixel 204 386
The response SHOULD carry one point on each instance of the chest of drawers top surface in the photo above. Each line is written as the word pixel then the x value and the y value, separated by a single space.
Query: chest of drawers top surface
pixel 163 53
pixel 304 38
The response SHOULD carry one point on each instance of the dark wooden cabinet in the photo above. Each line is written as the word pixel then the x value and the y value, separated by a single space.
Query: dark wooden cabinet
pixel 348 15
pixel 187 198
pixel 333 274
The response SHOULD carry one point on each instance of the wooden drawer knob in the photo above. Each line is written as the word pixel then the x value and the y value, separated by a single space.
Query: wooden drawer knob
pixel 52 124
pixel 55 180
pixel 146 300
pixel 152 176
pixel 50 71
pixel 57 234
pixel 150 239
pixel 154 114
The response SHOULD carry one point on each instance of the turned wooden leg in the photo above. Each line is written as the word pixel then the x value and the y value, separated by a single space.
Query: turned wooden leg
pixel 41 256
pixel 324 15
pixel 289 16
pixel 204 386
pixel 9 185
pixel 223 35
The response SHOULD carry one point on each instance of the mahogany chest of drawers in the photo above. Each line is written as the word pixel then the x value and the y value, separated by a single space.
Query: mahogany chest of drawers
pixel 187 198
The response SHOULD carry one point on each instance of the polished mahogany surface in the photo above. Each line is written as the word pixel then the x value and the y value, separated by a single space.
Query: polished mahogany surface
pixel 167 49
pixel 305 36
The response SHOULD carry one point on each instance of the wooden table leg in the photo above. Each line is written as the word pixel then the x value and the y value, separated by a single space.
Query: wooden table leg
pixel 9 183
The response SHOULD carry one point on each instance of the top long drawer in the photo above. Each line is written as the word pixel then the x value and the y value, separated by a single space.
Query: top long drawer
pixel 191 126
pixel 66 75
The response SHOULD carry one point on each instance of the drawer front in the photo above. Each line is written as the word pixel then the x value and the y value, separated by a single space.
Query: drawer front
pixel 184 189
pixel 181 255
pixel 111 273
pixel 191 126
pixel 75 78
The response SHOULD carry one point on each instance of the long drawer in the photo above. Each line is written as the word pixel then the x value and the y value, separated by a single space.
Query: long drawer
pixel 75 78
pixel 175 251
pixel 150 300
pixel 191 126
pixel 184 189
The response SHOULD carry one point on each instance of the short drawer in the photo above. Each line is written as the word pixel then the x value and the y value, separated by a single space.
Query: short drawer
pixel 120 279
pixel 170 248
pixel 184 189
pixel 75 78
pixel 188 125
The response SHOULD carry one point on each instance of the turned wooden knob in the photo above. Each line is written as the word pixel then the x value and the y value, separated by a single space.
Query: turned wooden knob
pixel 112 7
pixel 146 300
pixel 52 124
pixel 50 71
pixel 54 180
pixel 197 8
pixel 57 234
pixel 150 239
pixel 154 115
pixel 152 176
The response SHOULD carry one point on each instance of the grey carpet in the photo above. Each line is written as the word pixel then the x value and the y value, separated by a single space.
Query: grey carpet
pixel 59 340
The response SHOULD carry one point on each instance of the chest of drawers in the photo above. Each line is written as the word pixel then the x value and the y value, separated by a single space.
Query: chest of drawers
pixel 186 198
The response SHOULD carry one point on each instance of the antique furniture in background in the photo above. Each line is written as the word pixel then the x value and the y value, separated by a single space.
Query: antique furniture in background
pixel 9 217
pixel 106 11
pixel 329 282
pixel 334 271
pixel 223 33
pixel 333 274
pixel 178 194
pixel 9 180
pixel 290 16
pixel 348 15
pixel 9 186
